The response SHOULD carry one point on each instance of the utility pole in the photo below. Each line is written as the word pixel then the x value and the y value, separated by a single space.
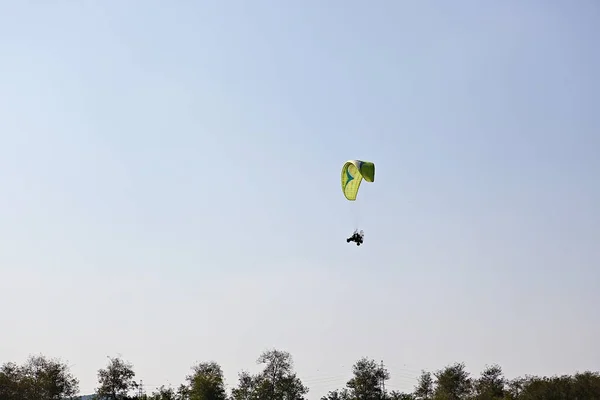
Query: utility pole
pixel 382 381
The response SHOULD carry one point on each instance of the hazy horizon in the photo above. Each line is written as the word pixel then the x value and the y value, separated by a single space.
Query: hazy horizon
pixel 171 186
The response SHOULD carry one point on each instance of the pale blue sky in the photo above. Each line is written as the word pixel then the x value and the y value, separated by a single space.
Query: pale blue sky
pixel 170 185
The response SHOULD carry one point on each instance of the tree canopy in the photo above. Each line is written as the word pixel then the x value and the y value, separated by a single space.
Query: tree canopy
pixel 40 378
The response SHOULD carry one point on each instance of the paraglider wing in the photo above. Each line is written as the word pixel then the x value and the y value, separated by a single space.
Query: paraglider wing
pixel 353 172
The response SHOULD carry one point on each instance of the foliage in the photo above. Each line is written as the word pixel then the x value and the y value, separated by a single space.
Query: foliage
pixel 277 380
pixel 44 379
pixel 38 379
pixel 164 393
pixel 206 382
pixel 366 384
pixel 424 388
pixel 452 383
pixel 491 385
pixel 116 380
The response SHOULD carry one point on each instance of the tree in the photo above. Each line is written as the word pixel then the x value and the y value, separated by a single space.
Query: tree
pixel 10 381
pixel 366 384
pixel 586 385
pixel 491 384
pixel 277 380
pixel 163 393
pixel 183 392
pixel 424 388
pixel 39 378
pixel 452 383
pixel 401 396
pixel 514 388
pixel 337 395
pixel 206 382
pixel 116 381
pixel 50 379
pixel 246 389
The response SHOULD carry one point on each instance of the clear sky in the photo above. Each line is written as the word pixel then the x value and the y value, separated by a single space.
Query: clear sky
pixel 170 185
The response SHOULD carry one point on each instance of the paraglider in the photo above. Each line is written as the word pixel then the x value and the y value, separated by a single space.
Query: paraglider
pixel 356 237
pixel 353 173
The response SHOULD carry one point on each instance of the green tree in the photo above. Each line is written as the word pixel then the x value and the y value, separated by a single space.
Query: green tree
pixel 491 384
pixel 277 380
pixel 341 394
pixel 452 383
pixel 116 380
pixel 164 393
pixel 246 388
pixel 401 396
pixel 183 392
pixel 586 385
pixel 424 388
pixel 39 378
pixel 50 379
pixel 366 384
pixel 514 388
pixel 206 382
pixel 10 382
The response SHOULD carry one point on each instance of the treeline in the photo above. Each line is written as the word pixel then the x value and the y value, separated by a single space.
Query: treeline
pixel 40 378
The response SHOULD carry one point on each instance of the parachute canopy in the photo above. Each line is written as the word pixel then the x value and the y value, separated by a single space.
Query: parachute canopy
pixel 353 173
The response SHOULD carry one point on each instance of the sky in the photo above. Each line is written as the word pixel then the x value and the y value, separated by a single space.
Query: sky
pixel 170 186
